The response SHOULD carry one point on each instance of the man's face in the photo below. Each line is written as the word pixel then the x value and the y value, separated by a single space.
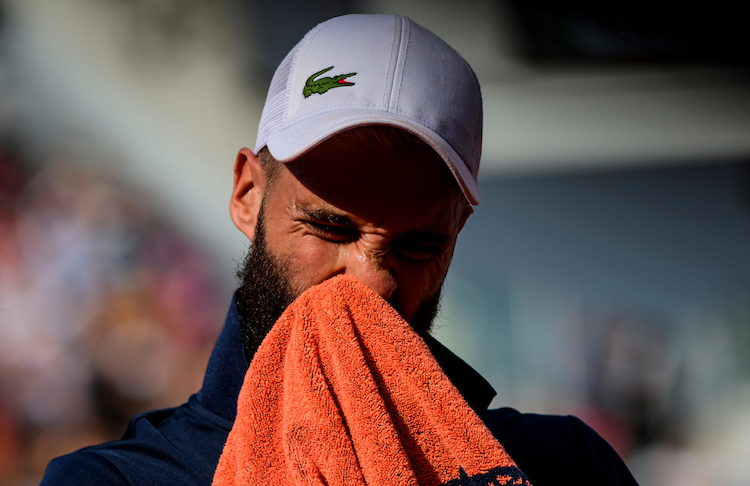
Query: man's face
pixel 388 218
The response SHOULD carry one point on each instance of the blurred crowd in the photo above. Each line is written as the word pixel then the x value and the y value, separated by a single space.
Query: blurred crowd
pixel 105 310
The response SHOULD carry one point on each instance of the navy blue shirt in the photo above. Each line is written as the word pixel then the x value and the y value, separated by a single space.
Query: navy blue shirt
pixel 181 446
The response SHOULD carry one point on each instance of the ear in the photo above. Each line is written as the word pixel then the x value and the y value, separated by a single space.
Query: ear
pixel 247 194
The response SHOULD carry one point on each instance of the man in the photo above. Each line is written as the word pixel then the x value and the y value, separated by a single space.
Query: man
pixel 365 164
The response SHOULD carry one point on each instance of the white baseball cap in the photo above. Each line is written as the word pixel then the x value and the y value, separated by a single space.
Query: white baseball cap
pixel 376 70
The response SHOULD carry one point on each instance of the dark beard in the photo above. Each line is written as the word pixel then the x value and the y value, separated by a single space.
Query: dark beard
pixel 266 291
pixel 423 319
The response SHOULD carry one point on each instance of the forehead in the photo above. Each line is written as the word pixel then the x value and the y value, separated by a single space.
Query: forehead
pixel 378 182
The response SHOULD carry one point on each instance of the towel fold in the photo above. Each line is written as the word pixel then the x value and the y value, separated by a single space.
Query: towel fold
pixel 342 392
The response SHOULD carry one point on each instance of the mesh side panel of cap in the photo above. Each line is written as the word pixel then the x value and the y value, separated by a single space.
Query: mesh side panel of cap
pixel 277 100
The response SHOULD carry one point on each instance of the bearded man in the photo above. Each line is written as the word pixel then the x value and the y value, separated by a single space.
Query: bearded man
pixel 365 165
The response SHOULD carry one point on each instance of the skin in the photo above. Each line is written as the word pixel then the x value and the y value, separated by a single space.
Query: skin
pixel 390 219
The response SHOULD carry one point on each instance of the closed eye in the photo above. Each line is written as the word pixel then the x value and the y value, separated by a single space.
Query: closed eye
pixel 331 232
pixel 328 225
pixel 418 251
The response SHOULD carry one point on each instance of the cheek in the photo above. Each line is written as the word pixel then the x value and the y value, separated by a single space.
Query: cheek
pixel 312 260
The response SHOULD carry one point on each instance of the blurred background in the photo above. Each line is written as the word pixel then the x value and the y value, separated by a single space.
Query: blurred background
pixel 606 273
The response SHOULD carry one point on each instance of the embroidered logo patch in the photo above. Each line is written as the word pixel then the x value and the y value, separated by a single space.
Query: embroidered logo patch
pixel 322 85
pixel 499 476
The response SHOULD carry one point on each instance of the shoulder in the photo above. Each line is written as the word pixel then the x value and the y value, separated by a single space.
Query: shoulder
pixel 176 446
pixel 82 467
pixel 557 450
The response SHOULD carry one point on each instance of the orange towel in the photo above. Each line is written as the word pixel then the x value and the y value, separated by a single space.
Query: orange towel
pixel 343 392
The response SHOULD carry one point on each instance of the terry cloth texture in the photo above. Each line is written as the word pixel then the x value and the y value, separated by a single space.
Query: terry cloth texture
pixel 343 392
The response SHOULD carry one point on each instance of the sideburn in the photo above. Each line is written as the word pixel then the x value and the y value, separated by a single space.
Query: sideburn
pixel 264 292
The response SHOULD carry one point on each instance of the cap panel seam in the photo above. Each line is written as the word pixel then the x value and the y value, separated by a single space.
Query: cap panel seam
pixel 391 65
pixel 287 102
pixel 403 44
pixel 303 52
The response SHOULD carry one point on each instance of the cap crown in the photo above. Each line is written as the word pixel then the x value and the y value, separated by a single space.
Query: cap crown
pixel 376 69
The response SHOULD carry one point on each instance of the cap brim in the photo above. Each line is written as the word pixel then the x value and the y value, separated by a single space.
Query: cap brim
pixel 288 144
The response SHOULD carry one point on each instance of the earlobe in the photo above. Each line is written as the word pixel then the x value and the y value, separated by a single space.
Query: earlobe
pixel 247 194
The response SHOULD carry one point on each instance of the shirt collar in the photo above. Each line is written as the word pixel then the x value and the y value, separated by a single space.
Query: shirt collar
pixel 477 391
pixel 227 368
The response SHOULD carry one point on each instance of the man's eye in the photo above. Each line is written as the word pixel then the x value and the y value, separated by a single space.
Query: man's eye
pixel 417 251
pixel 332 232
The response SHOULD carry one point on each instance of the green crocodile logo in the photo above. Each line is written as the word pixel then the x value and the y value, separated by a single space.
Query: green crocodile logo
pixel 322 85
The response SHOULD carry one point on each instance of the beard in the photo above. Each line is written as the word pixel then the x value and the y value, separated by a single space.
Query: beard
pixel 266 291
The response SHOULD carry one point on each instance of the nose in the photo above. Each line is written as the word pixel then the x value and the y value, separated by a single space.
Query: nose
pixel 370 270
